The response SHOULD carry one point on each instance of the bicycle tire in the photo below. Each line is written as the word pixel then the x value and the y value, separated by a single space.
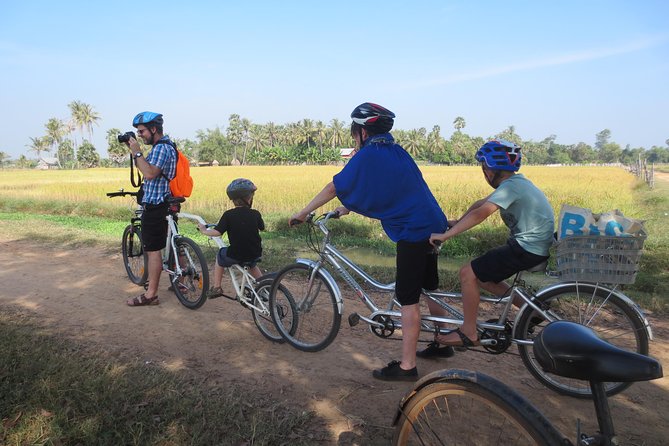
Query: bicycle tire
pixel 613 319
pixel 135 259
pixel 469 408
pixel 317 317
pixel 263 319
pixel 192 285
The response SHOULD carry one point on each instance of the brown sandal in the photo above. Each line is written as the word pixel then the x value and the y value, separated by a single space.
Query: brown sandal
pixel 142 300
pixel 463 342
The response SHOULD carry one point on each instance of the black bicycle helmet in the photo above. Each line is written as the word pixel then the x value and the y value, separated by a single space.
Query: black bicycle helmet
pixel 500 154
pixel 240 188
pixel 373 117
pixel 147 118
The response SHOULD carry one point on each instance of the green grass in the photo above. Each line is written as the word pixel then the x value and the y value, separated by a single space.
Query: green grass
pixel 55 392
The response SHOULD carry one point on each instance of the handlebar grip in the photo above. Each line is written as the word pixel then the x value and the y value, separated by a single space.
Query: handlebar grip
pixel 295 222
pixel 437 242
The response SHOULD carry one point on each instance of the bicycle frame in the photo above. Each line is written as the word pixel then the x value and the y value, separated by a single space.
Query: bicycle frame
pixel 335 259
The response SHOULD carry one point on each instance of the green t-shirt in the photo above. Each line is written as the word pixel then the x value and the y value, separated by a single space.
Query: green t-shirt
pixel 526 212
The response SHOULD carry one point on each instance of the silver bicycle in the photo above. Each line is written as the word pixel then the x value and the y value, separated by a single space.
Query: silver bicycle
pixel 253 294
pixel 320 305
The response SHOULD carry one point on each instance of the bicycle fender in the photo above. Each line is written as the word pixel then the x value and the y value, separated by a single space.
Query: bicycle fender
pixel 633 305
pixel 329 279
pixel 551 435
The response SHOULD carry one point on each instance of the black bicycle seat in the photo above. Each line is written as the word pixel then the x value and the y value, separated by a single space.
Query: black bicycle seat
pixel 574 351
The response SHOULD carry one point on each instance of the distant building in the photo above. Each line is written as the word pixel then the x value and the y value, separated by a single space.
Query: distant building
pixel 347 153
pixel 48 163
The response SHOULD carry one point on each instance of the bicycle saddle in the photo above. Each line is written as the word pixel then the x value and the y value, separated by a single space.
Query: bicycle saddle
pixel 574 351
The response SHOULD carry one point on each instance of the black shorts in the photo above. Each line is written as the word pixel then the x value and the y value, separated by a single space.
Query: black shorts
pixel 504 261
pixel 154 226
pixel 416 270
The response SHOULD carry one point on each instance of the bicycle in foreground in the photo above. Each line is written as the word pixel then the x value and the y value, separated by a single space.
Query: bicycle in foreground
pixel 253 294
pixel 461 407
pixel 319 305
pixel 182 258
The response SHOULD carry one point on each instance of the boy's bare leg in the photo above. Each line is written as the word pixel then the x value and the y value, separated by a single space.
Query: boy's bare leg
pixel 255 272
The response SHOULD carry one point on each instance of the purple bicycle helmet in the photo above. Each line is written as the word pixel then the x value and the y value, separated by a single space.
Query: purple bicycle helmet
pixel 500 154
pixel 147 118
pixel 373 117
pixel 240 188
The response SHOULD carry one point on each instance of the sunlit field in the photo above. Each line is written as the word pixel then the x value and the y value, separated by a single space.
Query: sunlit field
pixel 285 189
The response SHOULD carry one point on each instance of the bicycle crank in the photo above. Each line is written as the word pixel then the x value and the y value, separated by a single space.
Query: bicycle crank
pixel 384 326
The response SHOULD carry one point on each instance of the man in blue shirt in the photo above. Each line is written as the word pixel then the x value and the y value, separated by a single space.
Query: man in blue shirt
pixel 382 181
pixel 157 167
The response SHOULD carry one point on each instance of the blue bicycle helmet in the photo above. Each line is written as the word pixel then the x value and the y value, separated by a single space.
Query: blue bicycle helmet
pixel 240 188
pixel 147 118
pixel 373 117
pixel 500 154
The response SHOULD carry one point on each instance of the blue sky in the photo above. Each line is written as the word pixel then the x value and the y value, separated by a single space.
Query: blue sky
pixel 568 68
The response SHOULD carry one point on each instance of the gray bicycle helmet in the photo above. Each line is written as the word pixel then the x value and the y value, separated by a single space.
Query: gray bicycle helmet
pixel 240 188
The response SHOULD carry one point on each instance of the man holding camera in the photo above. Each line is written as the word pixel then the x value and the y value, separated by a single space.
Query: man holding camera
pixel 157 167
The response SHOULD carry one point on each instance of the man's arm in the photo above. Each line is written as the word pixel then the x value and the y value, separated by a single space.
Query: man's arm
pixel 148 170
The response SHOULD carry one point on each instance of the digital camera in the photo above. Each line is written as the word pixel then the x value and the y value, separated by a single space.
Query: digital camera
pixel 126 137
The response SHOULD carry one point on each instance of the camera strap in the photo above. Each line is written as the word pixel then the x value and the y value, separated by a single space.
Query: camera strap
pixel 138 181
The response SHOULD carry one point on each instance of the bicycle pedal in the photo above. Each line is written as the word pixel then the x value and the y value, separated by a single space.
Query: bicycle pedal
pixel 353 319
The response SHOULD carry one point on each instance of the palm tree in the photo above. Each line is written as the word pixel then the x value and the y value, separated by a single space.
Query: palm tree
pixel 337 135
pixel 83 117
pixel 55 131
pixel 38 145
pixel 89 117
pixel 435 143
pixel 459 123
pixel 272 132
pixel 320 131
pixel 307 130
pixel 413 142
pixel 245 126
pixel 257 137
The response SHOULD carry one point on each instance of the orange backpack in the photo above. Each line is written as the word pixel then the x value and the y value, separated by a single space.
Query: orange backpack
pixel 182 183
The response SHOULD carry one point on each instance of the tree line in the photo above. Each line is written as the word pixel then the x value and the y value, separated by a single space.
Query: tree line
pixel 313 142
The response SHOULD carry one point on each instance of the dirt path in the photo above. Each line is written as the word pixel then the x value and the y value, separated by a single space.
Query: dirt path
pixel 82 293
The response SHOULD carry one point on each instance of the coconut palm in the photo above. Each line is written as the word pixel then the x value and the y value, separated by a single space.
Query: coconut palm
pixel 55 131
pixel 82 116
pixel 337 133
pixel 89 117
pixel 39 145
pixel 320 130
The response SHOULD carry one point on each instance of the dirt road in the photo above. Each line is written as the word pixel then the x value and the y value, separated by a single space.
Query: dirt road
pixel 82 294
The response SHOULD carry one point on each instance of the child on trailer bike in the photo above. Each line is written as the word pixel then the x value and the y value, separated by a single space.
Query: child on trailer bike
pixel 242 225
pixel 529 216
pixel 382 181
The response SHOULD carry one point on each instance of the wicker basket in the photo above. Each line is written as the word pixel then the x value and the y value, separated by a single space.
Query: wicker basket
pixel 598 258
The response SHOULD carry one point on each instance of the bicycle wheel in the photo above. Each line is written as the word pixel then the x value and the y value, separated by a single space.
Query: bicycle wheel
pixel 469 408
pixel 192 285
pixel 134 257
pixel 613 319
pixel 263 317
pixel 317 317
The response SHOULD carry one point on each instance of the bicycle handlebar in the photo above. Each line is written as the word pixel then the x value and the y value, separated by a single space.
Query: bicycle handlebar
pixel 121 193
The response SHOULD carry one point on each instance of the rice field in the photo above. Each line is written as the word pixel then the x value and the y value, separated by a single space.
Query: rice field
pixel 283 190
